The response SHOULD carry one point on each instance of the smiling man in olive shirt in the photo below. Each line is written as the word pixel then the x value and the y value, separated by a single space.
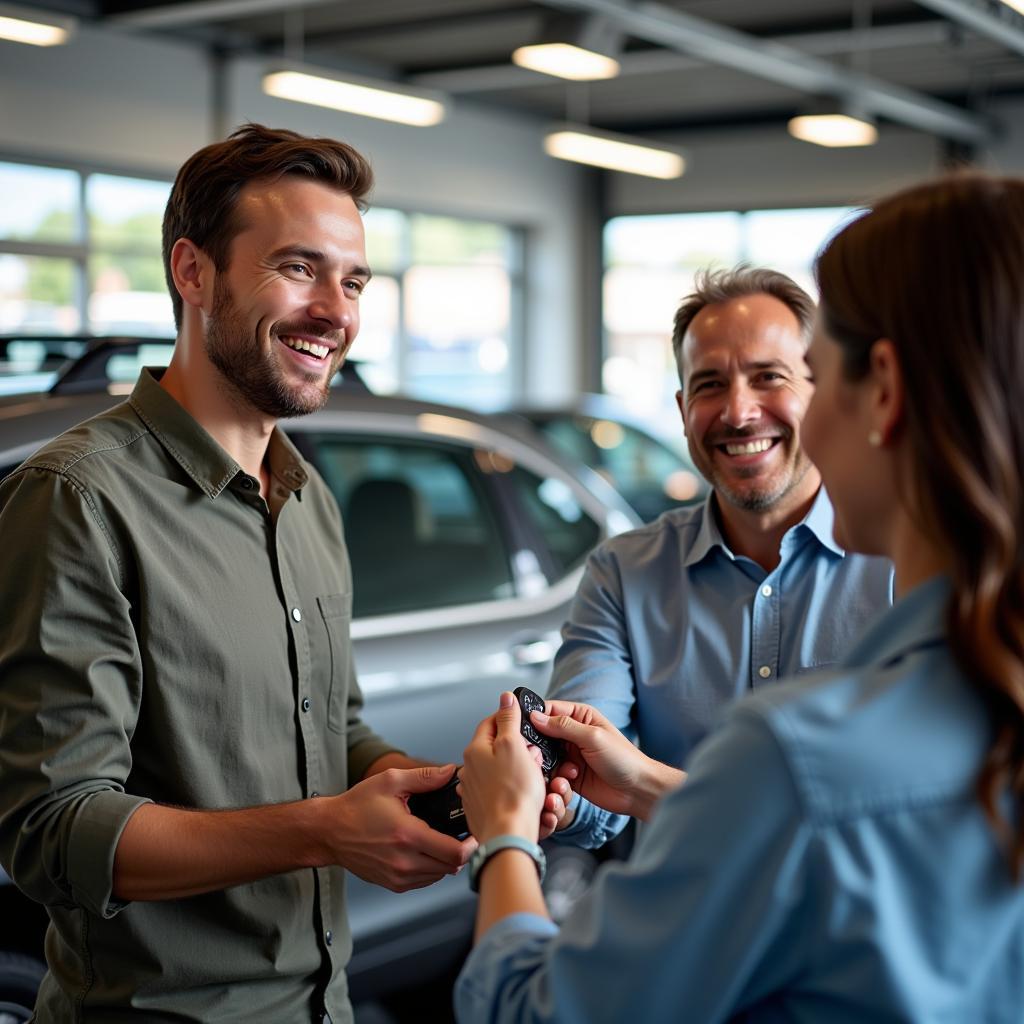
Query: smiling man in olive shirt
pixel 185 773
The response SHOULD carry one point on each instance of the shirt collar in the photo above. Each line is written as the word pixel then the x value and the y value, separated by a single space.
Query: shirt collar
pixel 198 454
pixel 817 522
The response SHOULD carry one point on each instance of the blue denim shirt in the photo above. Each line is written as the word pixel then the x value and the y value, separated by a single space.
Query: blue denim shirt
pixel 827 860
pixel 669 626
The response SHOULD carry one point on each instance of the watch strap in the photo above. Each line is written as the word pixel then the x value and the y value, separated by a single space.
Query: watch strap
pixel 485 851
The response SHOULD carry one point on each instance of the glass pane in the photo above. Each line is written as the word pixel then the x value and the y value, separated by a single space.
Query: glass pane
pixel 38 204
pixel 128 295
pixel 457 319
pixel 788 240
pixel 384 233
pixel 376 346
pixel 687 240
pixel 420 532
pixel 126 212
pixel 37 294
pixel 651 262
pixel 551 506
pixel 447 240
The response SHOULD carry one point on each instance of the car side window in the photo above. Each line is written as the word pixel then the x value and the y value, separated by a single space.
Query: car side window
pixel 557 515
pixel 419 527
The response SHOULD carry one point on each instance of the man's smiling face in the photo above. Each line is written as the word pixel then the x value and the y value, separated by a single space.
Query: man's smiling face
pixel 745 390
pixel 286 308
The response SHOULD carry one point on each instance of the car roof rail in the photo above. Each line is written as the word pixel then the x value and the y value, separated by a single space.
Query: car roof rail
pixel 90 371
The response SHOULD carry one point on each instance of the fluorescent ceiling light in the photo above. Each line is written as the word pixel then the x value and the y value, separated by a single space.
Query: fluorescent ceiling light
pixel 833 130
pixel 21 26
pixel 356 95
pixel 613 152
pixel 1017 5
pixel 564 60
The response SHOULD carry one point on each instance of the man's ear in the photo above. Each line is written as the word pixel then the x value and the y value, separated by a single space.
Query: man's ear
pixel 193 274
pixel 887 390
pixel 681 402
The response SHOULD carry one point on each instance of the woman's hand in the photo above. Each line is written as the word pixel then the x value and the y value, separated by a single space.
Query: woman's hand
pixel 501 782
pixel 603 765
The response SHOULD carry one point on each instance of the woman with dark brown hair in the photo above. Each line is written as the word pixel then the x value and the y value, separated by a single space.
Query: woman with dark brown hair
pixel 847 847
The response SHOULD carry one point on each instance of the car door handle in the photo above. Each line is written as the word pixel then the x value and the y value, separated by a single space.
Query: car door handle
pixel 529 653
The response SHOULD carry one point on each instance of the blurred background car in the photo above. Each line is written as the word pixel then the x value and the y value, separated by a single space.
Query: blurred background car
pixel 644 460
pixel 467 536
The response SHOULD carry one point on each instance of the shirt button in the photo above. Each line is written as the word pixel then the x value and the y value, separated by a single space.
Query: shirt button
pixel 296 615
pixel 248 483
pixel 306 705
pixel 766 590
pixel 764 671
pixel 329 937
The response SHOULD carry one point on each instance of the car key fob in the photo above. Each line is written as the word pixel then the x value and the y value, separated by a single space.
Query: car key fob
pixel 552 750
pixel 441 809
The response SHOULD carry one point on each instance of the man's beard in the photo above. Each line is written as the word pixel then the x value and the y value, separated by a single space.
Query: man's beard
pixel 755 499
pixel 251 375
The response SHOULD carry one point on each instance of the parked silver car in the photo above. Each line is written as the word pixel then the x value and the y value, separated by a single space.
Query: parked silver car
pixel 467 537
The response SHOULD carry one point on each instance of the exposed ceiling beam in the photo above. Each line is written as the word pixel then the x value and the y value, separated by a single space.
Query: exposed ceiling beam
pixel 498 77
pixel 786 65
pixel 986 17
pixel 192 12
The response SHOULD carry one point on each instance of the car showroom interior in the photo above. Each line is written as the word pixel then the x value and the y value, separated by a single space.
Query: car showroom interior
pixel 376 376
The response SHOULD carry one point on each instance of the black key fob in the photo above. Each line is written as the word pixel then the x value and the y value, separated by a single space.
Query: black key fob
pixel 552 750
pixel 441 809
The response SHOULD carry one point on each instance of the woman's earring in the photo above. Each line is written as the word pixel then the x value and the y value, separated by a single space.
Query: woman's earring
pixel 875 439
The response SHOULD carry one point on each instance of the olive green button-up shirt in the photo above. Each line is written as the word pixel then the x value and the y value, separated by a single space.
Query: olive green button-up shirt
pixel 165 635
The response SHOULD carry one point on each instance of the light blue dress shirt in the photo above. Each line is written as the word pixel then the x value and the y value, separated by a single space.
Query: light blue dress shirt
pixel 827 860
pixel 669 626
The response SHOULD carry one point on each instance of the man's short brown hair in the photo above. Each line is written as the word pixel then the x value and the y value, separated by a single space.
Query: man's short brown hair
pixel 714 286
pixel 202 203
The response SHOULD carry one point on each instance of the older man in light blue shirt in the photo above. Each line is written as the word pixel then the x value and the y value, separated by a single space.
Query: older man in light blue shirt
pixel 677 619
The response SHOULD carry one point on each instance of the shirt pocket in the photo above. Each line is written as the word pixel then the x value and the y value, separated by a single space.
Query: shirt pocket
pixel 336 613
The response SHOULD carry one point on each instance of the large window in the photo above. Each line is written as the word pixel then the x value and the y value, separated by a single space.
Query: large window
pixel 650 263
pixel 80 253
pixel 439 318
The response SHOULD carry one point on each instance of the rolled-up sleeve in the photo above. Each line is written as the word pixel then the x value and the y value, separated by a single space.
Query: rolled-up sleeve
pixel 71 685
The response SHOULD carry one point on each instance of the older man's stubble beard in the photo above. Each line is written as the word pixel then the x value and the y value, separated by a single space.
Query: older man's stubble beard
pixel 253 377
pixel 754 498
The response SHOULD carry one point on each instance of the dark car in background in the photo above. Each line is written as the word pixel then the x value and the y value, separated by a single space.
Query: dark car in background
pixel 467 536
pixel 645 462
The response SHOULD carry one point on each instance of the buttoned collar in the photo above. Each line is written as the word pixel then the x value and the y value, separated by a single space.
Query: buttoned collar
pixel 817 523
pixel 199 455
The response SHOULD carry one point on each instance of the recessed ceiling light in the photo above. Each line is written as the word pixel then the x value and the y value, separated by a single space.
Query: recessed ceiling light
pixel 356 95
pixel 613 152
pixel 833 130
pixel 34 28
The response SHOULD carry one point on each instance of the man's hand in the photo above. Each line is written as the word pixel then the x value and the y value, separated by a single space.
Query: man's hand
pixel 377 838
pixel 555 814
pixel 501 781
pixel 603 765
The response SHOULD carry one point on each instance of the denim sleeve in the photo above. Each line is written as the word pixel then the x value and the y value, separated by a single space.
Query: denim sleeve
pixel 594 666
pixel 708 917
pixel 72 676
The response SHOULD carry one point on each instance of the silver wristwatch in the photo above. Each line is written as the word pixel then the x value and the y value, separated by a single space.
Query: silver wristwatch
pixel 485 851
